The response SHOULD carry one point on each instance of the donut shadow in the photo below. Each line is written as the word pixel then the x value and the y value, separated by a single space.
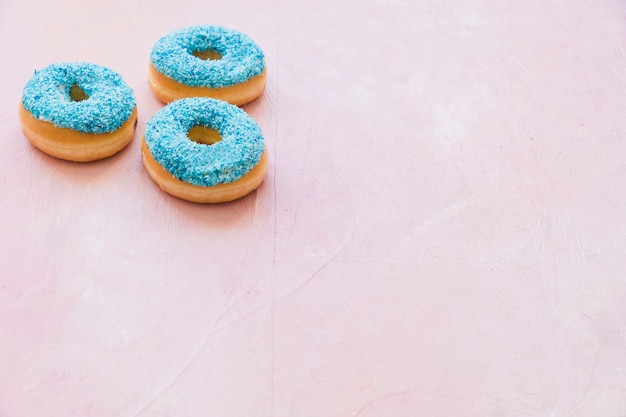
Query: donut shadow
pixel 85 173
pixel 215 216
pixel 256 106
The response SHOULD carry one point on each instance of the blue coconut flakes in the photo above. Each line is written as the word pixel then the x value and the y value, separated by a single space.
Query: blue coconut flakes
pixel 241 58
pixel 109 101
pixel 226 161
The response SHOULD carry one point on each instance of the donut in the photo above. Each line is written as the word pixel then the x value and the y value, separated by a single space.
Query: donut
pixel 204 150
pixel 207 61
pixel 78 111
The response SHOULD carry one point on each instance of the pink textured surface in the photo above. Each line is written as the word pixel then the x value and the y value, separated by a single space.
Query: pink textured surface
pixel 442 230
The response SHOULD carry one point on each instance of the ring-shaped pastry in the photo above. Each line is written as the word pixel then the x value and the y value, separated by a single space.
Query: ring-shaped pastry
pixel 207 61
pixel 204 150
pixel 78 111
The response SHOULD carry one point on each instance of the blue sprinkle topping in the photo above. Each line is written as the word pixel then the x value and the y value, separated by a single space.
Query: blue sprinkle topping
pixel 110 100
pixel 241 59
pixel 226 161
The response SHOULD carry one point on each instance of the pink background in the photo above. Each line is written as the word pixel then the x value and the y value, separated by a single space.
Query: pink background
pixel 441 232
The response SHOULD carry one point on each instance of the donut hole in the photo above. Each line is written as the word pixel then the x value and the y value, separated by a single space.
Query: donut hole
pixel 77 93
pixel 207 55
pixel 204 135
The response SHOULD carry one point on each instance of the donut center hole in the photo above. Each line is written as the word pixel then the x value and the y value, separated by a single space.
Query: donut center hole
pixel 204 135
pixel 207 54
pixel 77 93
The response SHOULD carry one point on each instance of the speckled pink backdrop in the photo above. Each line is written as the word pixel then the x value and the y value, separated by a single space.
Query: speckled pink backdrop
pixel 442 230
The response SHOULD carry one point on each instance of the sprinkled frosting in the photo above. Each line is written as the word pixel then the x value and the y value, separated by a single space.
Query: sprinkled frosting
pixel 109 103
pixel 241 59
pixel 226 161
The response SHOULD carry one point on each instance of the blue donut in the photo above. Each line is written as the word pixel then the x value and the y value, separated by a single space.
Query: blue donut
pixel 237 153
pixel 241 59
pixel 108 105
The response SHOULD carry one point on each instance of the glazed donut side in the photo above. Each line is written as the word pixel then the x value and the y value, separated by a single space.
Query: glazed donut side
pixel 220 193
pixel 168 90
pixel 72 145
